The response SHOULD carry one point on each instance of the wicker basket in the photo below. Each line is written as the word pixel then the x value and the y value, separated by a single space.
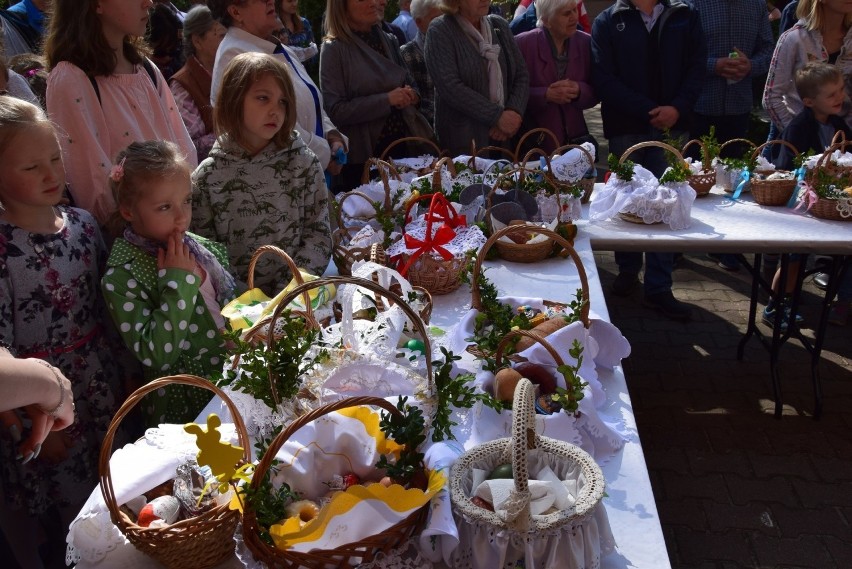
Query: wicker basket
pixel 348 555
pixel 387 172
pixel 416 319
pixel 476 273
pixel 587 184
pixel 475 153
pixel 412 141
pixel 529 537
pixel 629 215
pixel 260 329
pixel 825 208
pixel 773 192
pixel 200 542
pixel 509 250
pixel 703 182
pixel 438 276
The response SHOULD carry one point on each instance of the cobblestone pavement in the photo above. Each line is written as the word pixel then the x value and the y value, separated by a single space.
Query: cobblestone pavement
pixel 734 486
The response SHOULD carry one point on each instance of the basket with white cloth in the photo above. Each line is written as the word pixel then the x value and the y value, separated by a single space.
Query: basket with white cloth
pixel 549 514
pixel 642 198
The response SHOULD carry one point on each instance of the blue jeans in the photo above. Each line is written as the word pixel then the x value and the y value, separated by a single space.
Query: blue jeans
pixel 658 266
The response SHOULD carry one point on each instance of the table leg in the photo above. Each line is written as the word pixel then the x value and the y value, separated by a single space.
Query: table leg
pixel 839 266
pixel 751 327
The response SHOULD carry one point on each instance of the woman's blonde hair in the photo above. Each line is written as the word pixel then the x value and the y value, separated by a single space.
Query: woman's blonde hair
pixel 75 34
pixel 242 72
pixel 135 167
pixel 16 116
pixel 336 24
pixel 812 12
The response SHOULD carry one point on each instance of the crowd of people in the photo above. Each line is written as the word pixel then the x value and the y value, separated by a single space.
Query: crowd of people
pixel 147 152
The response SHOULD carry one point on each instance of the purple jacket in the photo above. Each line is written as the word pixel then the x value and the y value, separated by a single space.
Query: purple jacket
pixel 566 121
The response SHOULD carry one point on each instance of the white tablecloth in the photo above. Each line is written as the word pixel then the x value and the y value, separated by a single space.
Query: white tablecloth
pixel 720 225
pixel 630 502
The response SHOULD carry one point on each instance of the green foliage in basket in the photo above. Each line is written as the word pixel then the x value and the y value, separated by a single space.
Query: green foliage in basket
pixel 392 220
pixel 284 364
pixel 623 171
pixel 830 185
pixel 569 398
pixel 744 163
pixel 408 430
pixel 424 186
pixel 454 392
pixel 268 502
pixel 801 158
pixel 676 173
pixel 496 319
pixel 712 146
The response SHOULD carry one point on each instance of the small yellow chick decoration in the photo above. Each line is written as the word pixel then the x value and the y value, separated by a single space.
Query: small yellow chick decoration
pixel 221 457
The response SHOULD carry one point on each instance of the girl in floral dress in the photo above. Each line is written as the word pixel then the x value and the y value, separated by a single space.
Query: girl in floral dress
pixel 50 308
pixel 165 287
pixel 261 184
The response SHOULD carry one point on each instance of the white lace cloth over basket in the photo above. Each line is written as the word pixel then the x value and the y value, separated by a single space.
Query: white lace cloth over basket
pixel 573 165
pixel 644 197
pixel 467 238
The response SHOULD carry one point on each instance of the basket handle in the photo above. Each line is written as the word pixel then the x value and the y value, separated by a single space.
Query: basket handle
pixel 412 315
pixel 291 264
pixel 475 152
pixel 504 343
pixel 476 300
pixel 437 186
pixel 757 150
pixel 524 437
pixel 735 140
pixel 104 471
pixel 340 221
pixel 705 157
pixel 386 170
pixel 838 137
pixel 417 139
pixel 542 132
pixel 651 144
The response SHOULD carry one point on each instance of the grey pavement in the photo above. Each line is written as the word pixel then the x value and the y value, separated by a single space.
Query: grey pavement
pixel 734 486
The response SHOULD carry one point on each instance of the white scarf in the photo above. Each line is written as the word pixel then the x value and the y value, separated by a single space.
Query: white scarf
pixel 490 51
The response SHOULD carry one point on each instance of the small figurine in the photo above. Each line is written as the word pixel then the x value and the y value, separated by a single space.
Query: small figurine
pixel 222 458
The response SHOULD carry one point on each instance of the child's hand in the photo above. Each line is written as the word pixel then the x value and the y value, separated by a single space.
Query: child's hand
pixel 176 255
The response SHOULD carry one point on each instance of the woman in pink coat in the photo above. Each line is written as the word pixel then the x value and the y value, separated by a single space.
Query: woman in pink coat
pixel 558 58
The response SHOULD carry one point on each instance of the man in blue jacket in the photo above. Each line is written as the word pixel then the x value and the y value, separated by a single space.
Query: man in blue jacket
pixel 648 61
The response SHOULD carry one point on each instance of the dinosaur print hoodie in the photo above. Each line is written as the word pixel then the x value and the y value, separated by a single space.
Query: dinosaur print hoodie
pixel 277 197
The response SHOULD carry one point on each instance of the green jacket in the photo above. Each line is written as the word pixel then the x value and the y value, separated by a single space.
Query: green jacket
pixel 163 319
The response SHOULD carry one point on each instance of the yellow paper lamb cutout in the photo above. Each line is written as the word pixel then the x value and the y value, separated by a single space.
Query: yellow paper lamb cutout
pixel 221 457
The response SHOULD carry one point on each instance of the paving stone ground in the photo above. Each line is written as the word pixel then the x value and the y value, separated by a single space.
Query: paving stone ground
pixel 734 486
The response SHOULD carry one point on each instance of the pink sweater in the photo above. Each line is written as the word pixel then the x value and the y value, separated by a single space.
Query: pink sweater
pixel 92 132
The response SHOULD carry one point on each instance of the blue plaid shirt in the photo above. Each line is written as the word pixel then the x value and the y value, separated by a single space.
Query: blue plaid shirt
pixel 729 24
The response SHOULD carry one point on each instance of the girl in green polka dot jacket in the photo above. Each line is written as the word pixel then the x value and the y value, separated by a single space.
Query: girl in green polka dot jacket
pixel 163 285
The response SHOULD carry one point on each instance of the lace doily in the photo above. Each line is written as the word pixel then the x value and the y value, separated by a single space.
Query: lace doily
pixel 646 198
pixel 573 165
pixel 467 238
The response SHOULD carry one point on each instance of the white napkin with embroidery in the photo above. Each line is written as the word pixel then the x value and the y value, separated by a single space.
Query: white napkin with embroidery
pixel 547 492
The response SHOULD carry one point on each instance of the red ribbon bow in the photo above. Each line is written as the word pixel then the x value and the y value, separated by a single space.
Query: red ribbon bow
pixel 441 211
